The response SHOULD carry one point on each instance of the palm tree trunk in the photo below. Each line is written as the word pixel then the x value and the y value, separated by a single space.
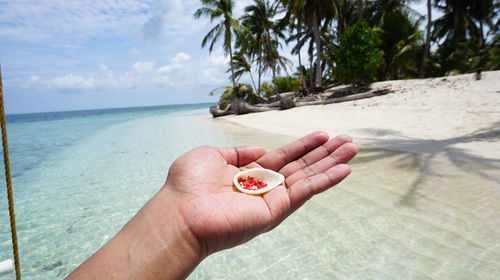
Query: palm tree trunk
pixel 360 9
pixel 253 82
pixel 275 83
pixel 456 18
pixel 421 73
pixel 232 66
pixel 482 32
pixel 272 60
pixel 340 30
pixel 260 70
pixel 299 30
pixel 311 78
pixel 317 80
pixel 458 7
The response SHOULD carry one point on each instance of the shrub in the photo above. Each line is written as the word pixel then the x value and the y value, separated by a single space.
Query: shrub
pixel 287 84
pixel 267 89
pixel 494 63
pixel 229 93
pixel 358 58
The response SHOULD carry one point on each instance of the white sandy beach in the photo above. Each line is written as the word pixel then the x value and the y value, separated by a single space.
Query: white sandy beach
pixel 422 199
pixel 424 116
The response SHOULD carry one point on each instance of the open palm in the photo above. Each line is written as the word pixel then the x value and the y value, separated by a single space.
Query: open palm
pixel 222 217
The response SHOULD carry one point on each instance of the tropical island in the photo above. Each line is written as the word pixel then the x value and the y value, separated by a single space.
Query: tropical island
pixel 426 178
pixel 350 44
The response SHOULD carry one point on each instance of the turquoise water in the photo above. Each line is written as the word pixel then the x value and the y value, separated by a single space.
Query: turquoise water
pixel 80 176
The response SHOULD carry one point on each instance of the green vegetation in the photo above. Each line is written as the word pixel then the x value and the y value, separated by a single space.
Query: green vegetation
pixel 466 38
pixel 228 93
pixel 267 89
pixel 287 84
pixel 359 56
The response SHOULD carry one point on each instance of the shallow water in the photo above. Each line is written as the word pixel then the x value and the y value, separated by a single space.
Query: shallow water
pixel 399 215
pixel 79 177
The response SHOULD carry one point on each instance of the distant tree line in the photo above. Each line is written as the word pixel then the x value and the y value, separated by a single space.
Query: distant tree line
pixel 352 41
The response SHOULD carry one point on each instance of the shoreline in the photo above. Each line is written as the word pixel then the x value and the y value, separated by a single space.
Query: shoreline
pixel 453 115
pixel 422 196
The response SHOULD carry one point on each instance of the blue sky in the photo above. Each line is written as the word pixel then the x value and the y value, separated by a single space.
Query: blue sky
pixel 61 55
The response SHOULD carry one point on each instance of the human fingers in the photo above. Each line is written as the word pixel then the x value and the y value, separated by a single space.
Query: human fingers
pixel 279 157
pixel 241 155
pixel 314 156
pixel 340 155
pixel 305 188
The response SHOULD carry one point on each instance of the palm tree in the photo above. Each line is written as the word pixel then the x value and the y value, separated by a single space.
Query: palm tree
pixel 274 62
pixel 421 73
pixel 329 48
pixel 482 11
pixel 295 13
pixel 400 42
pixel 258 19
pixel 346 16
pixel 315 11
pixel 360 9
pixel 241 66
pixel 379 8
pixel 456 23
pixel 215 9
pixel 250 40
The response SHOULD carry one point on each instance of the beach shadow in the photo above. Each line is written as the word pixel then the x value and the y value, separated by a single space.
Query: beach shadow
pixel 426 152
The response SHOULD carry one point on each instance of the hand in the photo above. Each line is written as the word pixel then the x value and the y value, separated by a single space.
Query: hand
pixel 220 216
pixel 199 211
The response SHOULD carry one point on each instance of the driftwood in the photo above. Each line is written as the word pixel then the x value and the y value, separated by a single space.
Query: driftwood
pixel 216 112
pixel 269 105
pixel 287 103
pixel 239 107
pixel 343 99
pixel 275 103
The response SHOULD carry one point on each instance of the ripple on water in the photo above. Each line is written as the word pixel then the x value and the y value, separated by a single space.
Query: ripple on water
pixel 399 215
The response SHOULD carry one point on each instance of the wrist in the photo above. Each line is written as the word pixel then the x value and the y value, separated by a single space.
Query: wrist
pixel 155 244
pixel 174 249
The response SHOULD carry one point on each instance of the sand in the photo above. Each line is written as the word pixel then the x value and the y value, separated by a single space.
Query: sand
pixel 422 199
pixel 454 114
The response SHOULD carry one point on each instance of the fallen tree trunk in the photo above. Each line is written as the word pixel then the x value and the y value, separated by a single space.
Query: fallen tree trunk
pixel 216 112
pixel 239 107
pixel 270 105
pixel 343 99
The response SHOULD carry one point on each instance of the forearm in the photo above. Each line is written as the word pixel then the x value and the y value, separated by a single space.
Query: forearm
pixel 155 244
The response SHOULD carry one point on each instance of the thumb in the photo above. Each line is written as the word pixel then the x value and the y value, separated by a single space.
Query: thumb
pixel 242 155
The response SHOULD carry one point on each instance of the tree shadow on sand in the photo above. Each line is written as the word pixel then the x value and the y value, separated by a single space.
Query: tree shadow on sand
pixel 428 151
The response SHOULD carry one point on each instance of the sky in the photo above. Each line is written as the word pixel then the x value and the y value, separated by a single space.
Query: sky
pixel 60 55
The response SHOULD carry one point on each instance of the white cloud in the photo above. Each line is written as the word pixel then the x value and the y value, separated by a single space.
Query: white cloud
pixel 170 17
pixel 73 82
pixel 134 52
pixel 33 79
pixel 34 20
pixel 181 71
pixel 175 18
pixel 181 57
pixel 101 79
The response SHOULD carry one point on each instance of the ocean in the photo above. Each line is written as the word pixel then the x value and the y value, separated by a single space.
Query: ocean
pixel 79 176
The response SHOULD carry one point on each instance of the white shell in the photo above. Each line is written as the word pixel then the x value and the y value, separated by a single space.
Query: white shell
pixel 271 178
